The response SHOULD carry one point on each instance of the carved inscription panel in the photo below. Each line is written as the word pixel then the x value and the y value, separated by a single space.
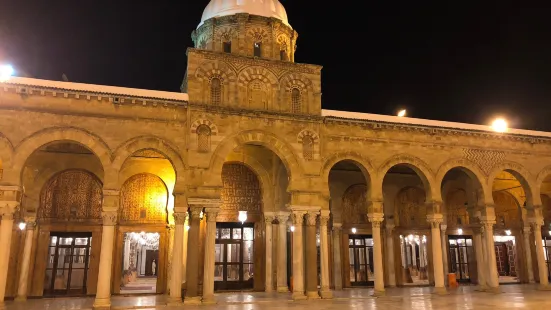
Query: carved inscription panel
pixel 354 205
pixel 242 191
pixel 144 199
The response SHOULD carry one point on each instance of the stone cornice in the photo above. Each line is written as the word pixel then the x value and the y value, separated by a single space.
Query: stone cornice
pixel 430 130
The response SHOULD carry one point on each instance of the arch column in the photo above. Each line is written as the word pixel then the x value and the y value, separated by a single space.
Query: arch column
pixel 192 272
pixel 25 264
pixel 390 255
pixel 178 247
pixel 311 255
pixel 435 220
pixel 325 291
pixel 480 261
pixel 103 294
pixel 210 243
pixel 528 251
pixel 488 223
pixel 282 217
pixel 269 218
pixel 536 224
pixel 376 219
pixel 298 261
pixel 444 244
pixel 337 267
pixel 11 195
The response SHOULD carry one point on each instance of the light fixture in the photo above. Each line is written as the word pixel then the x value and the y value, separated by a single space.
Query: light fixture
pixel 550 233
pixel 292 228
pixel 201 214
pixel 354 230
pixel 460 231
pixel 187 227
pixel 242 216
pixel 402 113
pixel 500 125
pixel 410 238
pixel 22 225
pixel 6 71
pixel 508 232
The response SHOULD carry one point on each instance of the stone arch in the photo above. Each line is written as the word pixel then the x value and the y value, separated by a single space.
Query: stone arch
pixel 209 69
pixel 294 80
pixel 250 74
pixel 256 137
pixel 363 163
pixel 136 199
pixel 523 176
pixel 125 150
pixel 417 165
pixel 309 141
pixel 204 121
pixel 542 175
pixel 307 132
pixel 38 139
pixel 470 168
pixel 6 152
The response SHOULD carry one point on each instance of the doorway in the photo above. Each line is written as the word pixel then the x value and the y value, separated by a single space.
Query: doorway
pixel 234 256
pixel 506 260
pixel 414 256
pixel 461 254
pixel 360 252
pixel 68 263
pixel 140 263
pixel 547 252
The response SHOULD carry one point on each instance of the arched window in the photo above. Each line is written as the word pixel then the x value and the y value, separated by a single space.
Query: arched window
pixel 283 55
pixel 215 91
pixel 257 49
pixel 308 148
pixel 203 138
pixel 227 46
pixel 295 101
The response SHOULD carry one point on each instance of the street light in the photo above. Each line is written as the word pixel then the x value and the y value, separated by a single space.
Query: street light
pixel 500 125
pixel 402 113
pixel 6 71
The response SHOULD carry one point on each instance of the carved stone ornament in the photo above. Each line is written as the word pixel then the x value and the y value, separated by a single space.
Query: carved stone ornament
pixel 435 220
pixel 311 218
pixel 180 218
pixel 109 218
pixel 324 220
pixel 195 212
pixel 376 217
pixel 268 219
pixel 297 217
pixel 282 218
pixel 211 214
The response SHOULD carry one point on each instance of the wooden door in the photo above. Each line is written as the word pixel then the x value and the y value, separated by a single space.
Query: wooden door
pixel 501 259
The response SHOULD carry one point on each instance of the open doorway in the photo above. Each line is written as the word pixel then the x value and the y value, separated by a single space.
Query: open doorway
pixel 414 260
pixel 506 258
pixel 140 263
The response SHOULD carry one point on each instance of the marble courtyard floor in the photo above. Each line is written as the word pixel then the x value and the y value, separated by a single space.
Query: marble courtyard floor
pixel 511 297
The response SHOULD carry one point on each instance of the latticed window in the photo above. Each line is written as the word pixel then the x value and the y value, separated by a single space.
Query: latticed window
pixel 227 46
pixel 295 101
pixel 215 91
pixel 308 148
pixel 257 49
pixel 203 138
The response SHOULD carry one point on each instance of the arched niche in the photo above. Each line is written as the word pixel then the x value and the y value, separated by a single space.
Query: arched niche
pixel 507 210
pixel 241 191
pixel 354 205
pixel 456 208
pixel 143 199
pixel 410 208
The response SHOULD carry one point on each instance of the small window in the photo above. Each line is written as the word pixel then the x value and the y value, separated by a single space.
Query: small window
pixel 215 91
pixel 283 55
pixel 295 101
pixel 308 148
pixel 257 49
pixel 227 47
pixel 203 138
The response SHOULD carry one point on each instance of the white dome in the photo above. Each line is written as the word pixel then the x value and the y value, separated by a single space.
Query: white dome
pixel 266 8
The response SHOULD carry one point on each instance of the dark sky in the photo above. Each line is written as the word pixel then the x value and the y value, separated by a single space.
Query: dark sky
pixel 445 60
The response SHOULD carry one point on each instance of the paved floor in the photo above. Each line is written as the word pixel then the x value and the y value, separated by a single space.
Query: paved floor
pixel 511 297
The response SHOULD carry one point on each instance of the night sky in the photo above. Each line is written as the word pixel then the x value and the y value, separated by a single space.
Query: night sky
pixel 450 61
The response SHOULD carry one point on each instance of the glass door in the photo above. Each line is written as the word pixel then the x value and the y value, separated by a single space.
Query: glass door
pixel 234 256
pixel 460 254
pixel 547 251
pixel 68 262
pixel 360 250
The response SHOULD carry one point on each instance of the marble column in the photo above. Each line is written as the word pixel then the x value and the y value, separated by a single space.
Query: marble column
pixel 22 288
pixel 337 267
pixel 325 291
pixel 103 293
pixel 376 219
pixel 435 220
pixel 528 251
pixel 282 217
pixel 170 229
pixel 184 251
pixel 540 255
pixel 479 255
pixel 444 244
pixel 210 243
pixel 176 272
pixel 10 197
pixel 491 263
pixel 298 262
pixel 311 256
pixel 269 285
pixel 192 272
pixel 390 255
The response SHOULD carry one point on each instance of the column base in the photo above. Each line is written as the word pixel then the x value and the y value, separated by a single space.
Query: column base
pixel 102 304
pixel 283 289
pixel 440 291
pixel 196 300
pixel 494 290
pixel 481 288
pixel 20 298
pixel 299 296
pixel 378 293
pixel 174 302
pixel 544 287
pixel 326 294
pixel 313 295
pixel 209 300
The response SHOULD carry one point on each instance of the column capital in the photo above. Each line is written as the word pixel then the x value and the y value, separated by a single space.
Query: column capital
pixel 195 211
pixel 443 227
pixel 31 222
pixel 435 219
pixel 389 228
pixel 211 214
pixel 527 230
pixel 109 218
pixel 535 221
pixel 269 217
pixel 488 221
pixel 375 206
pixel 282 217
pixel 311 218
pixel 180 217
pixel 298 217
pixel 376 217
pixel 337 227
pixel 434 207
pixel 325 217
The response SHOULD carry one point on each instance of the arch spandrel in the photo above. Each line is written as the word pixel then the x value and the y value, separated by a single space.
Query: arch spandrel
pixel 6 152
pixel 38 139
pixel 255 137
pixel 525 178
pixel 471 169
pixel 125 151
pixel 416 164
